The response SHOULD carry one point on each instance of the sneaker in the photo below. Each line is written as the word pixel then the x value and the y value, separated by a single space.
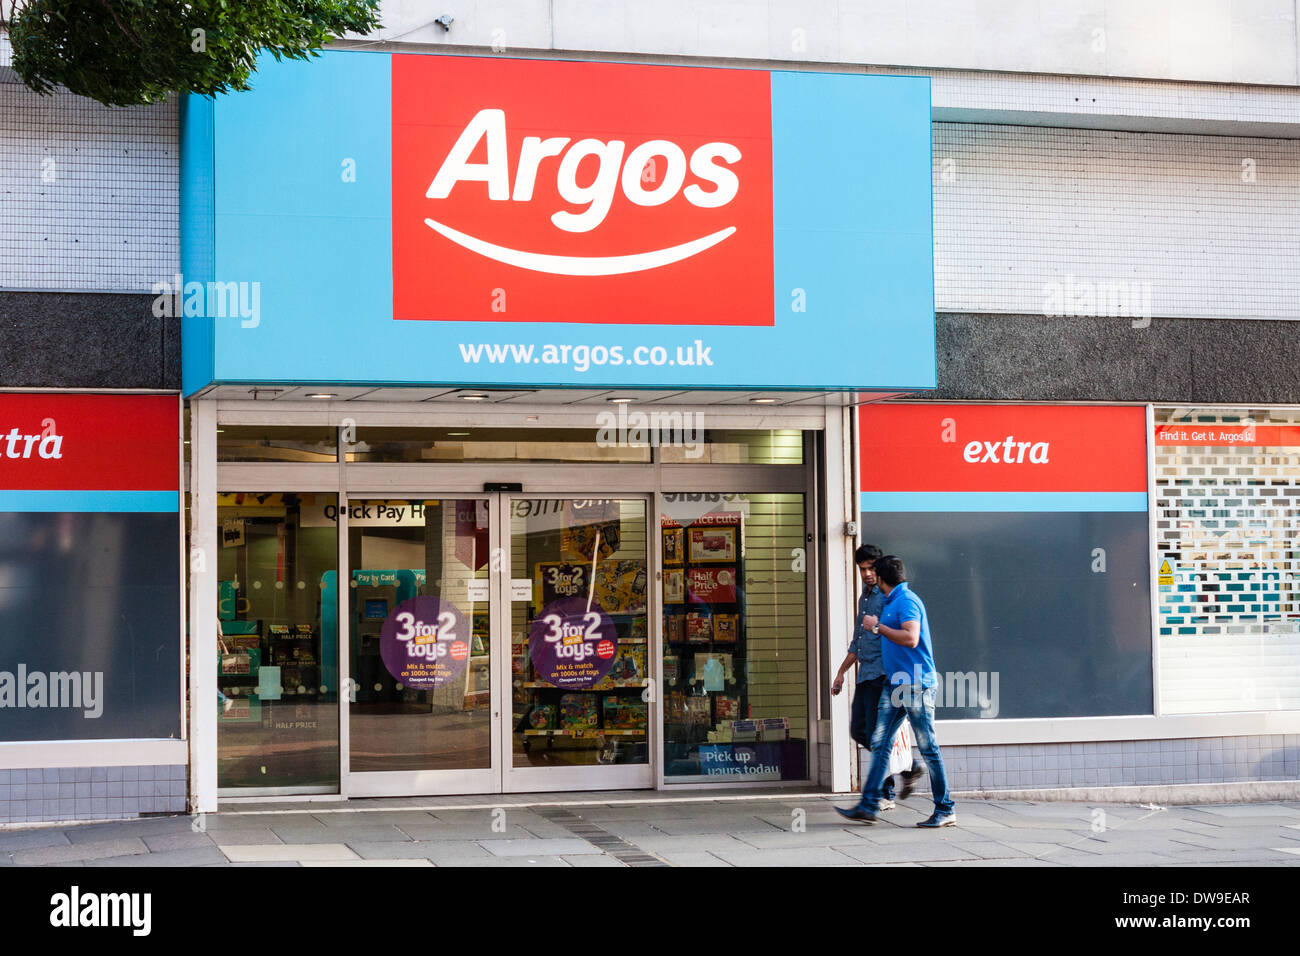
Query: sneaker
pixel 885 804
pixel 857 813
pixel 909 778
pixel 937 820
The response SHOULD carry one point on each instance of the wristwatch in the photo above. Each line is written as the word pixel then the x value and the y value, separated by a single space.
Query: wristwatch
pixel 876 628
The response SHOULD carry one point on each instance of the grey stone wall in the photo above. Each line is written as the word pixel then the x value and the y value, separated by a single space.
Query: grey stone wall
pixel 1034 358
pixel 87 340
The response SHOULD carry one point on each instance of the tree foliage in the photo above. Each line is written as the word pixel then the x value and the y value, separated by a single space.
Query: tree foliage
pixel 131 52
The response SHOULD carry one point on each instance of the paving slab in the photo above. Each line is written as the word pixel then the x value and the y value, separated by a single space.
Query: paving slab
pixel 440 852
pixel 1253 864
pixel 993 862
pixel 232 821
pixel 1042 850
pixel 1235 841
pixel 279 863
pixel 591 860
pixel 449 831
pixel 189 856
pixel 635 831
pixel 176 841
pixel 813 836
pixel 514 848
pixel 806 856
pixel 689 827
pixel 126 829
pixel 243 837
pixel 11 840
pixel 993 851
pixel 689 858
pixel 415 862
pixel 1267 811
pixel 1215 857
pixel 341 835
pixel 917 853
pixel 514 861
pixel 688 844
pixel 79 852
pixel 258 853
pixel 374 818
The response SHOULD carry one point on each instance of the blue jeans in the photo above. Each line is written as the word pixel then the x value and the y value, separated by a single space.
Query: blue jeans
pixel 866 704
pixel 916 703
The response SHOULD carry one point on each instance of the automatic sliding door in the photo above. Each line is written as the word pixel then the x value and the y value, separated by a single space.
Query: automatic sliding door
pixel 578 644
pixel 420 711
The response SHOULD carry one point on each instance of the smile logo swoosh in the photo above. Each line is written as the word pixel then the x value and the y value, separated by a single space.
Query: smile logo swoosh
pixel 582 265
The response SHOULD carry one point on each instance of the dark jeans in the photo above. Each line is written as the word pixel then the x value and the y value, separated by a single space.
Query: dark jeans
pixel 862 720
pixel 916 704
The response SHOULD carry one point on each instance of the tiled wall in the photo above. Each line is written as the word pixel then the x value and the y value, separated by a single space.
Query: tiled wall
pixel 88 194
pixel 90 793
pixel 1123 763
pixel 1081 222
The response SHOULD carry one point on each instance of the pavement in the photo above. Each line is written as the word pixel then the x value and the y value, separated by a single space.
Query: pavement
pixel 636 828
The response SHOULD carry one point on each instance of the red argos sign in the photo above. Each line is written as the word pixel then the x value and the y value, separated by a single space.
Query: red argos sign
pixel 551 190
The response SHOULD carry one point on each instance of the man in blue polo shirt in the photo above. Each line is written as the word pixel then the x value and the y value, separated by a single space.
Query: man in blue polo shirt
pixel 908 658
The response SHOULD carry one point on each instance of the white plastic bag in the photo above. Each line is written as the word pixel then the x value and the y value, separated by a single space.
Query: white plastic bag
pixel 900 754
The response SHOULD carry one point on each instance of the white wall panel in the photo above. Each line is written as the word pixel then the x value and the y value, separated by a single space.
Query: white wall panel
pixel 1201 226
pixel 88 194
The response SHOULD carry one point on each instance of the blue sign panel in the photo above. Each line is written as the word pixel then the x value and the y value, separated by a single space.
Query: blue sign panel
pixel 367 218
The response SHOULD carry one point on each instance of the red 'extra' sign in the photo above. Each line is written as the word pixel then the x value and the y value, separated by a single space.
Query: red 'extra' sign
pixel 1002 448
pixel 89 442
pixel 528 191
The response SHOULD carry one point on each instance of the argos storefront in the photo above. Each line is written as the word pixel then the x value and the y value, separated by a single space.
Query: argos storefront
pixel 520 416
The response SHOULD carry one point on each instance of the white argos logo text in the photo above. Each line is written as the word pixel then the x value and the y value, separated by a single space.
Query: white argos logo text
pixel 597 196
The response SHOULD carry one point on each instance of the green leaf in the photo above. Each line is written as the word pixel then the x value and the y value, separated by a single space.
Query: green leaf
pixel 132 52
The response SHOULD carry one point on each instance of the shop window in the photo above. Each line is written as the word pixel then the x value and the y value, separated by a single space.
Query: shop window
pixel 582 563
pixel 315 443
pixel 735 637
pixel 467 443
pixel 277 681
pixel 777 446
pixel 1228 559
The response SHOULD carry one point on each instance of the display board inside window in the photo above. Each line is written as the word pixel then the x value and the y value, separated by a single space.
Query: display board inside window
pixel 725 714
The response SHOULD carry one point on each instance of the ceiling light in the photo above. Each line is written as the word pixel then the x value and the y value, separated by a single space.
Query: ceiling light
pixel 457 434
pixel 763 401
pixel 474 397
pixel 621 401
pixel 323 395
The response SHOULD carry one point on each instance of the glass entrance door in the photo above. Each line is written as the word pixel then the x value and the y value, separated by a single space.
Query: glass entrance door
pixel 420 709
pixel 497 643
pixel 578 714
